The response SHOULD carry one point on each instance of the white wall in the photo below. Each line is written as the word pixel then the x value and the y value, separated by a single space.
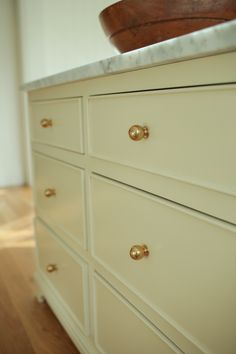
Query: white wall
pixel 57 35
pixel 12 163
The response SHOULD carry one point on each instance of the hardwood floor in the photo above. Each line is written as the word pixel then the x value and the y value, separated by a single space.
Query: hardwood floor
pixel 26 326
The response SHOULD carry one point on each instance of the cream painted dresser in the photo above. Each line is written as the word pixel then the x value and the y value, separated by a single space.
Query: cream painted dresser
pixel 135 192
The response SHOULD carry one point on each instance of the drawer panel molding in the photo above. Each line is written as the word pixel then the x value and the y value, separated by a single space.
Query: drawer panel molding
pixel 190 266
pixel 58 123
pixel 59 193
pixel 66 273
pixel 190 134
pixel 130 332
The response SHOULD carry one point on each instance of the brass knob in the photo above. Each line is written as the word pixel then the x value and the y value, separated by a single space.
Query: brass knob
pixel 49 192
pixel 51 268
pixel 45 123
pixel 137 252
pixel 136 132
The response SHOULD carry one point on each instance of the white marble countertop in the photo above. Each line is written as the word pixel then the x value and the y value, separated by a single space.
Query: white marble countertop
pixel 210 41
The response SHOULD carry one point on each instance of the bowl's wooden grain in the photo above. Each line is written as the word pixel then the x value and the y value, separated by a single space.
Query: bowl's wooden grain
pixel 132 24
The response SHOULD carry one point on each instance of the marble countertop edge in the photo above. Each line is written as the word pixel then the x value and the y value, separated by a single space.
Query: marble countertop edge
pixel 210 41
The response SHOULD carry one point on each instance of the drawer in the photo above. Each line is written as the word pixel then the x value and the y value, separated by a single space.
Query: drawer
pixel 59 193
pixel 58 123
pixel 188 277
pixel 67 274
pixel 121 329
pixel 191 133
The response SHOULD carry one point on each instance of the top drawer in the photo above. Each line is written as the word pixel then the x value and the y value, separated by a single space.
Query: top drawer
pixel 191 133
pixel 58 123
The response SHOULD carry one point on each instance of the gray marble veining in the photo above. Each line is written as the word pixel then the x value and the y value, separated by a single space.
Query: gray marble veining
pixel 212 40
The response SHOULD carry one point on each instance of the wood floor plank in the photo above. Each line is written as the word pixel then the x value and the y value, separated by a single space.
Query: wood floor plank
pixel 32 325
pixel 13 337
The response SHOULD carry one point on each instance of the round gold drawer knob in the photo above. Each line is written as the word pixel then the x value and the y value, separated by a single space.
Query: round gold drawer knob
pixel 46 123
pixel 51 268
pixel 138 252
pixel 49 192
pixel 136 132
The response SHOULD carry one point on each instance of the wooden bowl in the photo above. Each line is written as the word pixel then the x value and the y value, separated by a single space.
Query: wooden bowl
pixel 132 24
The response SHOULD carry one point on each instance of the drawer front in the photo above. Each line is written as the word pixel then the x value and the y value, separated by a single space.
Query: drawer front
pixel 191 133
pixel 188 276
pixel 66 274
pixel 121 329
pixel 59 190
pixel 58 123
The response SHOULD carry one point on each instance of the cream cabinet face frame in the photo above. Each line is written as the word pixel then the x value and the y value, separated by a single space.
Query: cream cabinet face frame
pixel 96 151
